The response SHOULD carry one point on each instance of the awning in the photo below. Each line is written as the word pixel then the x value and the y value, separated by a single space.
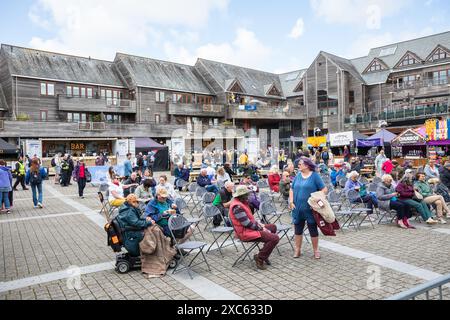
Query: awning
pixel 385 135
pixel 148 143
pixel 8 148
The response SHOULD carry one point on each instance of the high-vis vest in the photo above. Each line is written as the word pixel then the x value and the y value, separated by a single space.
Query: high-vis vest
pixel 21 169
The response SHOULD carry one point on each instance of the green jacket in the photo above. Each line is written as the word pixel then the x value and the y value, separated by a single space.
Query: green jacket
pixel 423 188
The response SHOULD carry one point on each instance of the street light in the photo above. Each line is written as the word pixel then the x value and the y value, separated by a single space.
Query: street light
pixel 317 130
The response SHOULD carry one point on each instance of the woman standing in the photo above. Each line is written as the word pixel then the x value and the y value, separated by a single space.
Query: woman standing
pixel 81 173
pixel 57 168
pixel 346 154
pixel 34 178
pixel 5 185
pixel 379 160
pixel 305 183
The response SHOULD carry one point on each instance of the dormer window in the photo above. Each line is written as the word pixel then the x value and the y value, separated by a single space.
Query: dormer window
pixel 375 66
pixel 408 60
pixel 440 53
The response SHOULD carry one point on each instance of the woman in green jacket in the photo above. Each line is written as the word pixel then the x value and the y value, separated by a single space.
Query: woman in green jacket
pixel 429 197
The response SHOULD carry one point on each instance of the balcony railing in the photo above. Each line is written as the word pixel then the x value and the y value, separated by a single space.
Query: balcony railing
pixel 418 84
pixel 69 103
pixel 197 110
pixel 411 112
pixel 267 112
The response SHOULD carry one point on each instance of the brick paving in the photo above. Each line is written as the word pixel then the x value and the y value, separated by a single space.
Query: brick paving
pixel 39 246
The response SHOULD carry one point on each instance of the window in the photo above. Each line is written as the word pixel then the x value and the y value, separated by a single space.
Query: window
pixel 157 118
pixel 408 60
pixel 300 101
pixel 375 66
pixel 83 92
pixel 76 91
pixel 204 100
pixel 69 91
pixel 77 117
pixel 43 115
pixel 111 96
pixel 439 54
pixel 160 96
pixel 407 81
pixel 47 89
pixel 113 118
pixel 351 97
pixel 441 77
pixel 89 92
pixel 181 98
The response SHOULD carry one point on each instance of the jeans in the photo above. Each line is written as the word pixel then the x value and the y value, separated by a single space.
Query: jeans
pixel 37 198
pixel 401 208
pixel 270 240
pixel 4 196
pixel 212 188
pixel 81 185
pixel 368 200
pixel 421 207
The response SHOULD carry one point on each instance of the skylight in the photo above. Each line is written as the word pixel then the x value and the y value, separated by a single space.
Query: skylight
pixel 388 51
pixel 292 76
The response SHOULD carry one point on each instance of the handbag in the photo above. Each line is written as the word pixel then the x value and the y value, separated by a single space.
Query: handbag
pixel 88 175
pixel 417 195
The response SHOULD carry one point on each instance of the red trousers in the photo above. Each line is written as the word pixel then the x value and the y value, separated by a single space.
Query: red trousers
pixel 270 240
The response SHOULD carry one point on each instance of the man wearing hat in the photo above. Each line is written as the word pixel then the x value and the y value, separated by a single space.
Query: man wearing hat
pixel 247 229
pixel 160 209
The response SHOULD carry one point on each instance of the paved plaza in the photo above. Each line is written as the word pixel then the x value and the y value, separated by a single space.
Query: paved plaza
pixel 45 252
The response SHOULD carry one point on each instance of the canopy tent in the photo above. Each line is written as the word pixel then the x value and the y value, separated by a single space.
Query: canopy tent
pixel 8 148
pixel 384 135
pixel 145 145
pixel 344 138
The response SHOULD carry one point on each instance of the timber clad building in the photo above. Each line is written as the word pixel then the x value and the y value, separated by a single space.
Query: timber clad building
pixel 46 95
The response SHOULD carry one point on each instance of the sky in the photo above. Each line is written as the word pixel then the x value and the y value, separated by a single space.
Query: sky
pixel 274 36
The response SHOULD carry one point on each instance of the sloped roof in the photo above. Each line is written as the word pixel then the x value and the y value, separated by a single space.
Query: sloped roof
pixel 384 134
pixel 344 64
pixel 289 81
pixel 152 73
pixel 55 66
pixel 252 81
pixel 422 47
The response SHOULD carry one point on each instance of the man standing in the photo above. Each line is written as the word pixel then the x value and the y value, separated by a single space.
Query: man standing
pixel 128 168
pixel 71 167
pixel 64 172
pixel 20 172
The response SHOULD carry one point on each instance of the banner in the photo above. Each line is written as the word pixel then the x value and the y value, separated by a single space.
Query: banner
pixel 99 173
pixel 316 141
pixel 368 143
pixel 250 107
pixel 341 139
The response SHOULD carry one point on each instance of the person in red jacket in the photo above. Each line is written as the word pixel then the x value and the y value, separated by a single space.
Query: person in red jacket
pixel 274 179
pixel 247 229
pixel 387 166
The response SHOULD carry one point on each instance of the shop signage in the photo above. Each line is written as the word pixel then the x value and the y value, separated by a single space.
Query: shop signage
pixel 341 139
pixel 409 137
pixel 77 146
pixel 437 130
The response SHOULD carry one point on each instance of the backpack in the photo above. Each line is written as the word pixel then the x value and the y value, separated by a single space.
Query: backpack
pixel 35 178
pixel 114 236
pixel 140 161
pixel 325 155
pixel 53 163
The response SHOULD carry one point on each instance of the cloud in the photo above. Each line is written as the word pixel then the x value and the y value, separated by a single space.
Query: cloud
pixel 103 27
pixel 369 13
pixel 245 50
pixel 298 29
pixel 362 45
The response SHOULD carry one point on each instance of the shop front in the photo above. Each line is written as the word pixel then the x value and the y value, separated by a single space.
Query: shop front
pixel 438 139
pixel 339 140
pixel 411 146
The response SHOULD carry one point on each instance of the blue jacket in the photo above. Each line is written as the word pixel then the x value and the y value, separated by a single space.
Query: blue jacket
pixel 182 174
pixel 130 220
pixel 203 181
pixel 5 178
pixel 153 211
pixel 335 174
pixel 128 170
pixel 42 172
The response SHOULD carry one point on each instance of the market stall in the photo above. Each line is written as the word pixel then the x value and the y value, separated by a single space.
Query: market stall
pixel 339 140
pixel 410 146
pixel 437 136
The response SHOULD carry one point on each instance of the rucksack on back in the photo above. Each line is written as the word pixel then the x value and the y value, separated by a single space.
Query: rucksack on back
pixel 35 178
pixel 53 163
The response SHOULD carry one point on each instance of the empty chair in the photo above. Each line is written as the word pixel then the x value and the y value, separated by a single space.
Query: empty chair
pixel 178 222
pixel 262 184
pixel 269 212
pixel 106 209
pixel 181 204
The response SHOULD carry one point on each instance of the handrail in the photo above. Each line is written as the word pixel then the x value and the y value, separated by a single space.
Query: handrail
pixel 423 288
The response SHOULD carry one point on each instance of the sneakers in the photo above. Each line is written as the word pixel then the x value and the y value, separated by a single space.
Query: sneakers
pixel 431 221
pixel 442 221
pixel 40 205
pixel 259 263
pixel 8 211
pixel 401 224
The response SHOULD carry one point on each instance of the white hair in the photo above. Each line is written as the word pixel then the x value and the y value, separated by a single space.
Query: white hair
pixel 386 177
pixel 353 174
pixel 229 183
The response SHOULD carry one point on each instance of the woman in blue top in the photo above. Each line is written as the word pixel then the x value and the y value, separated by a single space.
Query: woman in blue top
pixel 306 182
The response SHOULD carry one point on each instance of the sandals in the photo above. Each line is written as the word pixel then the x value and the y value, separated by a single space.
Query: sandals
pixel 296 256
pixel 317 255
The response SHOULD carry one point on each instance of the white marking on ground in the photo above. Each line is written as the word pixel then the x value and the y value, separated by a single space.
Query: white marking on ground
pixel 54 215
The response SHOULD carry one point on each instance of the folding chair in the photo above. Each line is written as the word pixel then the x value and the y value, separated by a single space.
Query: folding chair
pixel 178 222
pixel 199 192
pixel 181 204
pixel 372 187
pixel 355 200
pixel 342 182
pixel 282 231
pixel 106 209
pixel 210 212
pixel 182 184
pixel 389 215
pixel 247 250
pixel 269 212
pixel 262 184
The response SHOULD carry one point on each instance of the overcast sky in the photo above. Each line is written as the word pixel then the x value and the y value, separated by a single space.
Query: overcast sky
pixel 276 36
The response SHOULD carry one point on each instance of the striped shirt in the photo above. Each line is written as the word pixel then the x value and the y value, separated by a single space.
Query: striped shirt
pixel 241 216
